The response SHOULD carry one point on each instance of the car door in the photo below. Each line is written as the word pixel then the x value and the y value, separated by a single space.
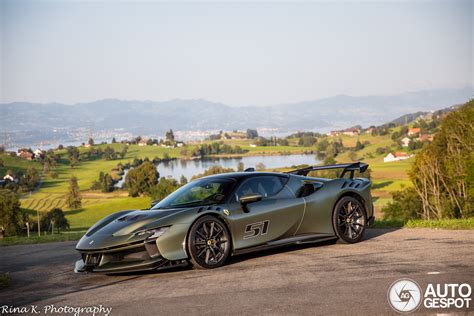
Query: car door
pixel 276 216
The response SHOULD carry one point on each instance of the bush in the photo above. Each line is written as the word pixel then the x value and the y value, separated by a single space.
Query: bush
pixel 56 216
pixel 164 188
pixel 141 179
pixel 12 218
pixel 406 205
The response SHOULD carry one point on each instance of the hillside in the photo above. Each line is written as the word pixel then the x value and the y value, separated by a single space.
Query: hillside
pixel 386 177
pixel 28 123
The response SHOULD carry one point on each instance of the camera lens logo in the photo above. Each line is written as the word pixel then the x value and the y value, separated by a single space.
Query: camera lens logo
pixel 404 295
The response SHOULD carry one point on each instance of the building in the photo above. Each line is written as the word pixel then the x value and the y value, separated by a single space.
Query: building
pixel 425 138
pixel 369 130
pixel 352 131
pixel 9 177
pixel 405 141
pixel 179 144
pixel 87 145
pixel 238 135
pixel 142 142
pixel 25 154
pixel 413 131
pixel 38 153
pixel 396 156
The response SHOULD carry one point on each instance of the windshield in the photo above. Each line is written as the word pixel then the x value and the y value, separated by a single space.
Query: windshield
pixel 197 193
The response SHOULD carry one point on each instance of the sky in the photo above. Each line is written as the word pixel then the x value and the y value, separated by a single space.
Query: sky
pixel 238 53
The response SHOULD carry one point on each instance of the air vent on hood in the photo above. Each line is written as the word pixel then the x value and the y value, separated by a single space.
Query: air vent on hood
pixel 129 218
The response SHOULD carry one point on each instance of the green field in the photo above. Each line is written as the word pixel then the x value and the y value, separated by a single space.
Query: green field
pixel 387 177
pixel 17 164
pixel 94 206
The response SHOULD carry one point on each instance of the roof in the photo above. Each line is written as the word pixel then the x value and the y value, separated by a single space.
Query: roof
pixel 400 154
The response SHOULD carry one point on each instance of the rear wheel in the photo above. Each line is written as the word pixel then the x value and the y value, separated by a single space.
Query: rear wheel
pixel 208 243
pixel 349 219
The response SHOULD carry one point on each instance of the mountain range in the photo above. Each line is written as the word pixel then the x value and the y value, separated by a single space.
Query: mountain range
pixel 154 118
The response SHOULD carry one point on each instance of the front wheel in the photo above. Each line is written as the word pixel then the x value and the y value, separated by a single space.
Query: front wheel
pixel 349 219
pixel 208 243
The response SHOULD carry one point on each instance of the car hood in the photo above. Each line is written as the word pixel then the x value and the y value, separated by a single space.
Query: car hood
pixel 119 228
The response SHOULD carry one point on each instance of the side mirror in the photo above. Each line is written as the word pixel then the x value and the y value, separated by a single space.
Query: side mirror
pixel 153 203
pixel 249 198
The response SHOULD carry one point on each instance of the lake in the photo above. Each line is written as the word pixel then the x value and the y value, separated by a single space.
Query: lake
pixel 189 168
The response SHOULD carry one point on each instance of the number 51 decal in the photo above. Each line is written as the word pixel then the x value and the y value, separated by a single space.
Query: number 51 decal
pixel 256 229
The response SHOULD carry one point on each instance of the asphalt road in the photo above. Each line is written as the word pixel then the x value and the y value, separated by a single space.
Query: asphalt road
pixel 323 279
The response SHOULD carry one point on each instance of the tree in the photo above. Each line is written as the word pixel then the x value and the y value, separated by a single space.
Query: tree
pixel 359 146
pixel 323 145
pixel 141 179
pixel 123 152
pixel 1 163
pixel 307 141
pixel 90 141
pixel 12 218
pixel 73 196
pixel 114 140
pixel 440 170
pixel 55 218
pixel 29 181
pixel 252 133
pixel 164 188
pixel 104 184
pixel 170 136
pixel 50 161
pixel 73 156
pixel 213 170
pixel 183 180
pixel 109 153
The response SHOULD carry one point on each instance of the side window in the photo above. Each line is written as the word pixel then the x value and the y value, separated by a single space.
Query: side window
pixel 266 186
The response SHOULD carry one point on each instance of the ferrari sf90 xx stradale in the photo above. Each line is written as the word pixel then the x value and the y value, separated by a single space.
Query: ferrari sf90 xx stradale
pixel 209 219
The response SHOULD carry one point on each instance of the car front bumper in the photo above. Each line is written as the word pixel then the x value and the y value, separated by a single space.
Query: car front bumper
pixel 127 258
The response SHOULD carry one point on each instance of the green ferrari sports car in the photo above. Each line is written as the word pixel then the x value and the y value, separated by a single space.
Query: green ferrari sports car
pixel 211 218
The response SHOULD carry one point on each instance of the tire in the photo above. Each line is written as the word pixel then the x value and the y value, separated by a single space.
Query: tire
pixel 208 243
pixel 349 220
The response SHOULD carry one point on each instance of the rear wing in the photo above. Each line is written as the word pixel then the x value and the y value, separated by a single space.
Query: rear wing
pixel 347 167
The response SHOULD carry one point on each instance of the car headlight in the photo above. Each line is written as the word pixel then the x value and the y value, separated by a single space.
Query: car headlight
pixel 154 232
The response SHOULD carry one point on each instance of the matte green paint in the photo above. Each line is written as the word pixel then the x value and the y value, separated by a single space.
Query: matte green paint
pixel 287 216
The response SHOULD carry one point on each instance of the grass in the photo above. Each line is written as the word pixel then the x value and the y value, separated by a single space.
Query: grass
pixel 386 177
pixel 35 239
pixel 94 206
pixel 5 280
pixel 442 223
pixel 17 164
pixel 421 223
